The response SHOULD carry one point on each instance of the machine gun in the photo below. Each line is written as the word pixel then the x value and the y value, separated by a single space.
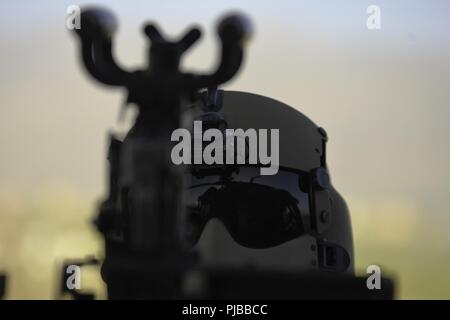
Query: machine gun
pixel 141 218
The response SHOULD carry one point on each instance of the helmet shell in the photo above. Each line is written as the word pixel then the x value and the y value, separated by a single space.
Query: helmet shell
pixel 301 147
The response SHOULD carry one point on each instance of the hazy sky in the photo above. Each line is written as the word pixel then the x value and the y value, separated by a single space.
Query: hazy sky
pixel 383 96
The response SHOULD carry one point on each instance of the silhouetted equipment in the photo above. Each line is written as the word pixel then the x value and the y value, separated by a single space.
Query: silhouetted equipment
pixel 285 236
pixel 141 219
pixel 2 285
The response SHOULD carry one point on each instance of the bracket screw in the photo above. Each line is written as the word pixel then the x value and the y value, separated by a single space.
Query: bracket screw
pixel 325 216
pixel 323 133
pixel 321 178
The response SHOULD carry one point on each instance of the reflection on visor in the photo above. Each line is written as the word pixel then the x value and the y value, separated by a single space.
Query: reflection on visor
pixel 258 211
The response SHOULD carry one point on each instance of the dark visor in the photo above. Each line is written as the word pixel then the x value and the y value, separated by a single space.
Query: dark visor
pixel 259 211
